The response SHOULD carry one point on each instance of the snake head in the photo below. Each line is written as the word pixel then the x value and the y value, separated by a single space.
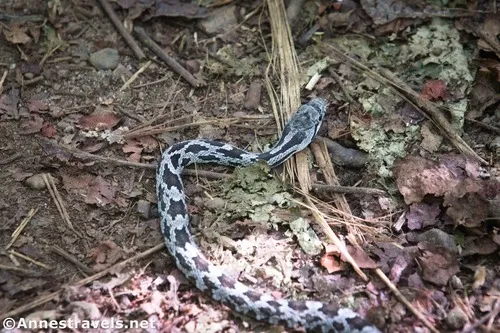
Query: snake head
pixel 308 117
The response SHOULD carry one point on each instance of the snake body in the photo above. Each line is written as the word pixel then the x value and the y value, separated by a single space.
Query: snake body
pixel 310 315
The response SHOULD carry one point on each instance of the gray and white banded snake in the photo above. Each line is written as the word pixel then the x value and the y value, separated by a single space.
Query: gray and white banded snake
pixel 311 315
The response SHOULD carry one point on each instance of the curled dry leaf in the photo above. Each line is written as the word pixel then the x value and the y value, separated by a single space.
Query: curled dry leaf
pixel 17 34
pixel 438 266
pixel 457 179
pixel 96 190
pixel 105 254
pixel 33 125
pixel 38 106
pixel 331 262
pixel 100 120
pixel 422 215
pixel 137 145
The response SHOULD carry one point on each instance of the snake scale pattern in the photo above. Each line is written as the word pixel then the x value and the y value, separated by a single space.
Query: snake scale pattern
pixel 310 315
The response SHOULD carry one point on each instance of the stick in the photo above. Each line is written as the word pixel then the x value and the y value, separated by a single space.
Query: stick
pixel 121 29
pixel 71 259
pixel 44 299
pixel 403 300
pixel 176 67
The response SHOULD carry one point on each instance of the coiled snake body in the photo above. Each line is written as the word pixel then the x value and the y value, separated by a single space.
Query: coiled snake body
pixel 297 134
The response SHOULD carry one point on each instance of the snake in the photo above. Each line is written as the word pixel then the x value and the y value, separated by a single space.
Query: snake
pixel 297 134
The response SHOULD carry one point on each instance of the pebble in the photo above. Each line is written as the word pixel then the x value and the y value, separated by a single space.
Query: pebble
pixel 144 208
pixel 219 20
pixel 35 182
pixel 437 238
pixel 107 58
pixel 456 318
pixel 215 203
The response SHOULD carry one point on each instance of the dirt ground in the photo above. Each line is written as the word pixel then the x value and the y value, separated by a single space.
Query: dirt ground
pixel 58 111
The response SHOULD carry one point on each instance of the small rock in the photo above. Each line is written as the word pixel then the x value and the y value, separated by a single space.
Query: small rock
pixel 193 66
pixel 456 318
pixel 107 58
pixel 253 95
pixel 219 20
pixel 35 182
pixel 437 238
pixel 144 208
pixel 63 73
pixel 215 203
pixel 121 72
pixel 456 282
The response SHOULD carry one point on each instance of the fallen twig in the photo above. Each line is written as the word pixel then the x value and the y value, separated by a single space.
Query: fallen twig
pixel 348 189
pixel 135 75
pixel 484 125
pixel 342 86
pixel 22 271
pixel 47 298
pixel 11 158
pixel 21 18
pixel 21 227
pixel 491 315
pixel 54 193
pixel 2 80
pixel 176 67
pixel 72 259
pixel 403 300
pixel 121 29
pixel 31 260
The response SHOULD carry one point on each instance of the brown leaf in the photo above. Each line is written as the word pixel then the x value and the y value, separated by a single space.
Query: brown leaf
pixel 469 210
pixel 438 266
pixel 478 245
pixel 385 11
pixel 361 257
pixel 100 120
pixel 17 34
pixel 456 178
pixel 49 130
pixel 137 145
pixel 433 90
pixel 108 253
pixel 422 215
pixel 100 192
pixel 38 105
pixel 33 125
pixel 332 264
pixel 9 104
pixel 95 190
pixel 134 149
